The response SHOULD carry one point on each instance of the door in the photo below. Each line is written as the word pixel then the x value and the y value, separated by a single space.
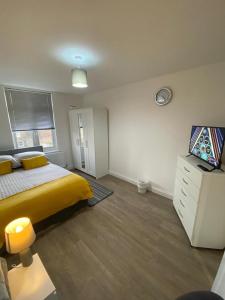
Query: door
pixel 82 141
pixel 79 135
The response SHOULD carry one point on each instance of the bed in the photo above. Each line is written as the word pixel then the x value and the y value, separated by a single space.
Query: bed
pixel 38 193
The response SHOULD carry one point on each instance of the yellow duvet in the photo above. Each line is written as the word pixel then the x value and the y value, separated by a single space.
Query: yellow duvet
pixel 44 200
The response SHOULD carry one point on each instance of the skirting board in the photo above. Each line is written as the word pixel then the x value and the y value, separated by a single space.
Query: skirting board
pixel 153 188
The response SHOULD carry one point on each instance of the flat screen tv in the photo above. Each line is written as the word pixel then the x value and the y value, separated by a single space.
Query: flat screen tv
pixel 207 144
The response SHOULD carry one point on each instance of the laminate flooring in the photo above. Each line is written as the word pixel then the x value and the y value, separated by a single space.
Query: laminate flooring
pixel 129 246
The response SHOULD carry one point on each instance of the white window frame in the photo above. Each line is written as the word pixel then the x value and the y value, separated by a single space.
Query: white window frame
pixel 36 141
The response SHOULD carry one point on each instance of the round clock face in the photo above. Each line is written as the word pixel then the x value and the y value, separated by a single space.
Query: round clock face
pixel 163 96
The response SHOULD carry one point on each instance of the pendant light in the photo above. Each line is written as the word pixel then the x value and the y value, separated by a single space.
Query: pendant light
pixel 79 78
pixel 79 75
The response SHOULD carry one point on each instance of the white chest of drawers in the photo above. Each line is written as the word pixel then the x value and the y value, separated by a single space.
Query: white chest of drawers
pixel 199 199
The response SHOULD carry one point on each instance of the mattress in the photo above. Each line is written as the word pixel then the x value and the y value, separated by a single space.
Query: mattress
pixel 22 180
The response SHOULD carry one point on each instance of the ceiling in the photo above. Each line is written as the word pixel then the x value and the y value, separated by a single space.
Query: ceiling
pixel 120 41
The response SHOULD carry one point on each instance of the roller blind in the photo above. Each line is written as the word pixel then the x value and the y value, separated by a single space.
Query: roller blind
pixel 29 110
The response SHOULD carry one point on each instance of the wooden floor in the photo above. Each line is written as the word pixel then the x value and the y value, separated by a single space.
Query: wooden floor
pixel 129 246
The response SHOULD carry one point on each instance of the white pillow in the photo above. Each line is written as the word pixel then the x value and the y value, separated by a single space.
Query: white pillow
pixel 29 154
pixel 15 162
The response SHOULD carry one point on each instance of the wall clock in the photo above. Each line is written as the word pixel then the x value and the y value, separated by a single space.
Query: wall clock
pixel 163 96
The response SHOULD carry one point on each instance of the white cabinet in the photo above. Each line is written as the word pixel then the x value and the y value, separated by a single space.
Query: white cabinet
pixel 219 282
pixel 89 135
pixel 199 199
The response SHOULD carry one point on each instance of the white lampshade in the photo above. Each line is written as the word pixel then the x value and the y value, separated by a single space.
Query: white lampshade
pixel 19 235
pixel 79 78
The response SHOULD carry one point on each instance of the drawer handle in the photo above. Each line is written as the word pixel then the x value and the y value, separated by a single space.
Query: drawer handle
pixel 182 191
pixel 180 214
pixel 186 170
pixel 185 181
pixel 182 203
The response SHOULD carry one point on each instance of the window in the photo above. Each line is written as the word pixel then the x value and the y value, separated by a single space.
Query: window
pixel 31 118
pixel 45 138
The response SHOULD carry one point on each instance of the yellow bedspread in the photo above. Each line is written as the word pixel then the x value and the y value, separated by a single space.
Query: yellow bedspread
pixel 43 201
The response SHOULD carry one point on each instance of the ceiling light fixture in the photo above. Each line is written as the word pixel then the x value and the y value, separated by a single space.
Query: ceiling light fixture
pixel 79 75
pixel 79 78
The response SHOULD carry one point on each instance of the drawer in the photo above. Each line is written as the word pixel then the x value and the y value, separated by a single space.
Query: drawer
pixel 186 185
pixel 190 171
pixel 186 201
pixel 185 216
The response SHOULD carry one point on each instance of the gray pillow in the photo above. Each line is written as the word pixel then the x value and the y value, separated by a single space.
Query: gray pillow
pixel 4 286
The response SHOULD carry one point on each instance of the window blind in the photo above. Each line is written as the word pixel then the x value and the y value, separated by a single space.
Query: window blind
pixel 29 110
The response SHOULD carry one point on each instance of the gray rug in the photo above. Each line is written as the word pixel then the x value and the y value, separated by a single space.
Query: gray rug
pixel 100 192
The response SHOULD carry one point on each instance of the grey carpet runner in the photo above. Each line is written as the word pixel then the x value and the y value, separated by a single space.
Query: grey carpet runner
pixel 100 192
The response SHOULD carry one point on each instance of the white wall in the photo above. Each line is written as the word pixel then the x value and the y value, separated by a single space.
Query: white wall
pixel 61 106
pixel 145 139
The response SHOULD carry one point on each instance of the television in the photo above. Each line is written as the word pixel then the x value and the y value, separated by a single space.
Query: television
pixel 207 144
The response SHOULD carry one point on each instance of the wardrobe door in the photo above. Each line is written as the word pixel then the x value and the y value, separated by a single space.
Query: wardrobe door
pixel 78 127
pixel 89 141
pixel 74 132
pixel 82 119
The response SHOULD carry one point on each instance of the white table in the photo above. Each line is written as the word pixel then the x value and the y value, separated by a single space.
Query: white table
pixel 31 283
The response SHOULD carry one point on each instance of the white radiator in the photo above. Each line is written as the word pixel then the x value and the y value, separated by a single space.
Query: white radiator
pixel 57 157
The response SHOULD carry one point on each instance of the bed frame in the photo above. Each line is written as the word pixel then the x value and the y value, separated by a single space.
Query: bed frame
pixel 15 151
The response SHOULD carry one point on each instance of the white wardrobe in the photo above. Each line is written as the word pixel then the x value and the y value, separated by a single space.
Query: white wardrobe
pixel 89 135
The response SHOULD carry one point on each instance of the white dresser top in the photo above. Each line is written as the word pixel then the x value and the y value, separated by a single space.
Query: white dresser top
pixel 194 161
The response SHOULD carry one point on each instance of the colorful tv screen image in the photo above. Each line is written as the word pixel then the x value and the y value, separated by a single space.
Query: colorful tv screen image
pixel 207 144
